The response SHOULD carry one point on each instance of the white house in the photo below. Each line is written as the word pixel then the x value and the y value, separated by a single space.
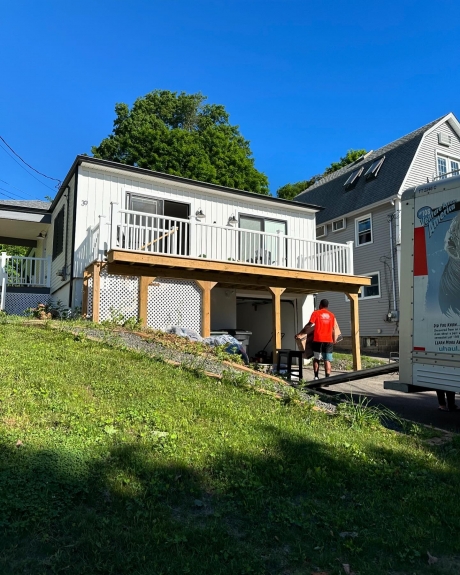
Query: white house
pixel 122 241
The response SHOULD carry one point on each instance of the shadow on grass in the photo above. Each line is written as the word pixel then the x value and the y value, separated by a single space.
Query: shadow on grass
pixel 281 511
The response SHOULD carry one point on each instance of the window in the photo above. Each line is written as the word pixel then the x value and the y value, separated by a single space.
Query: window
pixel 259 248
pixel 363 230
pixel 374 168
pixel 370 291
pixel 58 234
pixel 447 167
pixel 374 289
pixel 321 231
pixel 339 225
pixel 353 178
pixel 442 167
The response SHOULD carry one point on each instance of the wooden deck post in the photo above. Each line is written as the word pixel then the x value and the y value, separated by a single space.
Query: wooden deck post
pixel 144 282
pixel 84 301
pixel 276 319
pixel 96 290
pixel 206 288
pixel 355 346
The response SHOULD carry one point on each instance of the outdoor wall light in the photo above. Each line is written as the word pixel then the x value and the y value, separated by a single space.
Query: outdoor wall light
pixel 232 221
pixel 200 214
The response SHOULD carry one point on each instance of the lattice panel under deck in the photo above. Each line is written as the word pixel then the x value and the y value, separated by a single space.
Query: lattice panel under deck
pixel 119 297
pixel 174 302
pixel 17 303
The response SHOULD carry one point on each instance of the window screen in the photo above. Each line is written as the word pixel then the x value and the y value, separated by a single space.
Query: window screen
pixel 58 234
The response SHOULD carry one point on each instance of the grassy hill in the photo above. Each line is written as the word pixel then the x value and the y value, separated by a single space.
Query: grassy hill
pixel 116 463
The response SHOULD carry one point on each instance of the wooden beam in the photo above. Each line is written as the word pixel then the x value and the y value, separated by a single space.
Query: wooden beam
pixel 194 264
pixel 206 288
pixel 144 282
pixel 84 302
pixel 276 319
pixel 355 345
pixel 96 291
pixel 303 286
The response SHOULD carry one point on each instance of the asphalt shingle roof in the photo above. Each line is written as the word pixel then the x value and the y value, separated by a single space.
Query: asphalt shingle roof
pixel 337 201
pixel 32 204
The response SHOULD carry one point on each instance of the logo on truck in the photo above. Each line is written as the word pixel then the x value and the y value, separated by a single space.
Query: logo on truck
pixel 432 217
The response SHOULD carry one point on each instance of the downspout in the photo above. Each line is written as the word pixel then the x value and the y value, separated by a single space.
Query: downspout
pixel 393 272
pixel 72 256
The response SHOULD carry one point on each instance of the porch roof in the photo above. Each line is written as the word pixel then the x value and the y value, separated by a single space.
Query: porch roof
pixel 22 221
pixel 123 262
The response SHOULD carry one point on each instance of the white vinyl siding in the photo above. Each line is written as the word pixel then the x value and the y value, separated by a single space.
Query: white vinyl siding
pixel 99 186
pixel 61 261
pixel 424 167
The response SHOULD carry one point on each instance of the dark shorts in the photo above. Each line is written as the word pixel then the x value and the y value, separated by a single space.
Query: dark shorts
pixel 322 350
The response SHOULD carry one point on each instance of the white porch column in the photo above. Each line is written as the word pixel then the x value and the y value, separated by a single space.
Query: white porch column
pixel 350 261
pixel 193 237
pixel 3 280
pixel 101 239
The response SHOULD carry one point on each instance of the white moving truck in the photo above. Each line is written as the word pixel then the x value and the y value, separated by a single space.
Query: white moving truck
pixel 429 328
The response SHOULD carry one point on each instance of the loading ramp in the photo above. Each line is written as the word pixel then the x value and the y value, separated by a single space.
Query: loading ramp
pixel 354 375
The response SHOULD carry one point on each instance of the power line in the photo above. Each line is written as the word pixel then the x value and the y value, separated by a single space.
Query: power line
pixel 16 188
pixel 28 165
pixel 6 196
pixel 26 170
pixel 17 195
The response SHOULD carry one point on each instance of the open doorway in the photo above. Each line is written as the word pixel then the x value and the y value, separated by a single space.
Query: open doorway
pixel 255 315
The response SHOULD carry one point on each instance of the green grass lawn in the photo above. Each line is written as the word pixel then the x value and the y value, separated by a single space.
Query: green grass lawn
pixel 114 463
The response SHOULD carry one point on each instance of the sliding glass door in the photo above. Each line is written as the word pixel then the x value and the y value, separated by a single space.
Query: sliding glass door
pixel 256 247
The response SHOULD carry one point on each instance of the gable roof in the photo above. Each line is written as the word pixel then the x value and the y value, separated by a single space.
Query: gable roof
pixel 330 191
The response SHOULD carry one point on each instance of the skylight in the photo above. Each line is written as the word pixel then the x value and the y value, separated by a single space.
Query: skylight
pixel 374 168
pixel 353 178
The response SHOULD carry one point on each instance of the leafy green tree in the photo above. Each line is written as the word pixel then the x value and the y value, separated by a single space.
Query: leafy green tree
pixel 290 191
pixel 183 135
pixel 13 250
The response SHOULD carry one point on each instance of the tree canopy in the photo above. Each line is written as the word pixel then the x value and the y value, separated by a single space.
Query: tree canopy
pixel 290 191
pixel 181 134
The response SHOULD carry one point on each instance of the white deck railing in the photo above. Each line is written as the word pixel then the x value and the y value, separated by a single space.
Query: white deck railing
pixel 21 271
pixel 156 234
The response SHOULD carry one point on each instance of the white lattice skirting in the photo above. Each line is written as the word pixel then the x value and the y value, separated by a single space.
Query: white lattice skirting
pixel 170 301
pixel 17 303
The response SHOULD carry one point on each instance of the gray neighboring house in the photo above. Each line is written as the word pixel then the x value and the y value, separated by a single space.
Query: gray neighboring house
pixel 363 204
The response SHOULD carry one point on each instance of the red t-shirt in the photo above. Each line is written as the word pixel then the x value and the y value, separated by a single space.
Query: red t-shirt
pixel 324 325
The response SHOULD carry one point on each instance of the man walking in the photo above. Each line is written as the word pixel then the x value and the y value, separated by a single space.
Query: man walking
pixel 323 337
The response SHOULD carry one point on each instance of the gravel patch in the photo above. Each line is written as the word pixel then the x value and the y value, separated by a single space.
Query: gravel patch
pixel 208 363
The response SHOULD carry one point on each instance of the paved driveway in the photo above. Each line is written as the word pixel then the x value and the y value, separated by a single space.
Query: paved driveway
pixel 418 407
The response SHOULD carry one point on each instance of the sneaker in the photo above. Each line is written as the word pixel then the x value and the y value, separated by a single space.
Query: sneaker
pixel 316 378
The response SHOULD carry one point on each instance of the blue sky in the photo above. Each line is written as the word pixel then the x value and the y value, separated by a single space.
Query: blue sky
pixel 304 80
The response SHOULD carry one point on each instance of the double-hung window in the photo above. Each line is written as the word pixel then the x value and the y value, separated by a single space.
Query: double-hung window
pixel 363 230
pixel 447 167
pixel 321 231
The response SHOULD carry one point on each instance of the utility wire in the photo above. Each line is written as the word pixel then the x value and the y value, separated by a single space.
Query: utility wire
pixel 26 170
pixel 12 193
pixel 6 196
pixel 19 189
pixel 28 165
